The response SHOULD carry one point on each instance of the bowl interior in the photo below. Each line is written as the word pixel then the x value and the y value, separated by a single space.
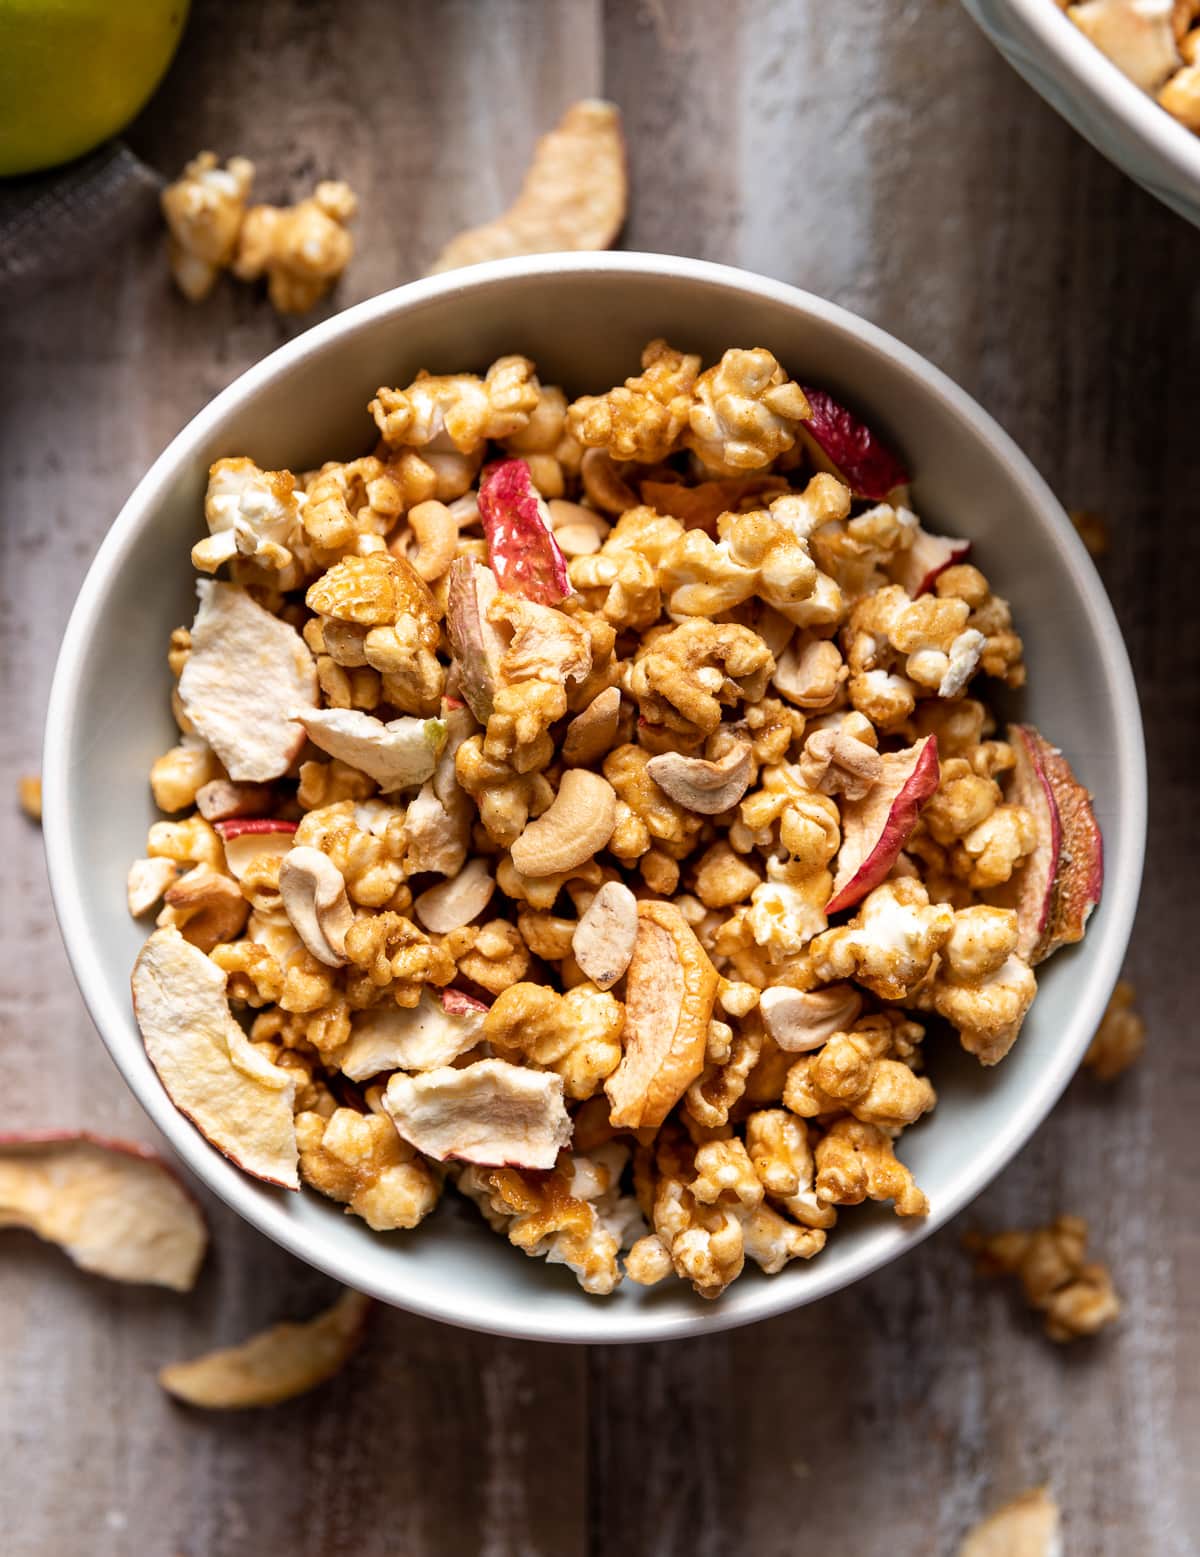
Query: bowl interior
pixel 584 319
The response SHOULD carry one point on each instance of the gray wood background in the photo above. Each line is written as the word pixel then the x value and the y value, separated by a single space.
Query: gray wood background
pixel 879 153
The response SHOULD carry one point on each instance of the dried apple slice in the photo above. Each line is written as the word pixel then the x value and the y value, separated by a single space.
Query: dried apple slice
pixel 245 838
pixel 573 197
pixel 114 1206
pixel 876 828
pixel 398 755
pixel 246 674
pixel 669 992
pixel 427 1036
pixel 1029 1526
pixel 275 1365
pixel 847 448
pixel 492 1113
pixel 522 550
pixel 239 1101
pixel 1056 887
pixel 916 570
pixel 478 647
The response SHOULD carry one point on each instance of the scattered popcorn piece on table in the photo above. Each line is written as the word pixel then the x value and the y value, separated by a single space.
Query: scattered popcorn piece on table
pixel 1120 1038
pixel 1076 1297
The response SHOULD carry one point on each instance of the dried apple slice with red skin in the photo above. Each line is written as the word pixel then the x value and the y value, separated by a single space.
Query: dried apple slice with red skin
pixel 847 448
pixel 276 1364
pixel 876 828
pixel 245 838
pixel 1055 889
pixel 522 550
pixel 115 1207
pixel 917 569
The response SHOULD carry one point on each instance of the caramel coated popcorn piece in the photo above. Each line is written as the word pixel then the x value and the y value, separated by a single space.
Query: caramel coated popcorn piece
pixel 645 419
pixel 1120 1038
pixel 1076 1298
pixel 360 1160
pixel 302 249
pixel 577 1035
pixel 29 795
pixel 745 413
pixel 856 1162
pixel 204 210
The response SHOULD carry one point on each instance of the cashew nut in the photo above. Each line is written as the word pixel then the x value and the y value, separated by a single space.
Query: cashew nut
pixel 604 938
pixel 454 903
pixel 147 881
pixel 206 907
pixel 579 531
pixel 603 484
pixel 592 734
pixel 577 825
pixel 799 1020
pixel 809 674
pixel 702 786
pixel 314 899
pixel 436 532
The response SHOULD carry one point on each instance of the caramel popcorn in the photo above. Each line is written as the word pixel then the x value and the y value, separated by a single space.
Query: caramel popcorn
pixel 621 851
pixel 1120 1038
pixel 204 210
pixel 1076 1298
pixel 301 249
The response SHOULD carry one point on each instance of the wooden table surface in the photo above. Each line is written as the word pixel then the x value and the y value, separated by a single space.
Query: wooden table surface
pixel 879 153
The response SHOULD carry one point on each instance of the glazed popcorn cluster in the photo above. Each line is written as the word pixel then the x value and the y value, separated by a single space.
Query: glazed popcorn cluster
pixel 591 805
pixel 301 249
pixel 1156 43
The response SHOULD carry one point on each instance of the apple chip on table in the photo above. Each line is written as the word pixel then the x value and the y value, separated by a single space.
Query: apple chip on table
pixel 589 806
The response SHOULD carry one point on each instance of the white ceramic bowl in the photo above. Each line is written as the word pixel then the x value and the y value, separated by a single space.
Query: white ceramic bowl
pixel 1121 121
pixel 584 319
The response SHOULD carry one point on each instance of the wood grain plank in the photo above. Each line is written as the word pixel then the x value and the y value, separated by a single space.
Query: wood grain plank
pixel 432 1442
pixel 888 159
pixel 881 154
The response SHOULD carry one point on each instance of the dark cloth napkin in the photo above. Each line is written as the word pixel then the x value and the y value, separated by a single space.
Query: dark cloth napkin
pixel 53 224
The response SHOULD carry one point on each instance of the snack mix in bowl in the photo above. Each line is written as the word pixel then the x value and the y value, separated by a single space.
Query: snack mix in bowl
pixel 590 806
pixel 1156 43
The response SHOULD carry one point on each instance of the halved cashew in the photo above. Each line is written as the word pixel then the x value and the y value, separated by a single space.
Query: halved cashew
pixel 592 734
pixel 702 786
pixel 579 531
pixel 809 674
pixel 146 883
pixel 206 906
pixel 669 994
pixel 604 938
pixel 603 484
pixel 799 1020
pixel 577 825
pixel 436 532
pixel 454 903
pixel 314 898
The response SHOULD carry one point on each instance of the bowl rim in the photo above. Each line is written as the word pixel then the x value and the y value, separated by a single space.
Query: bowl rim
pixel 267 1213
pixel 1161 135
